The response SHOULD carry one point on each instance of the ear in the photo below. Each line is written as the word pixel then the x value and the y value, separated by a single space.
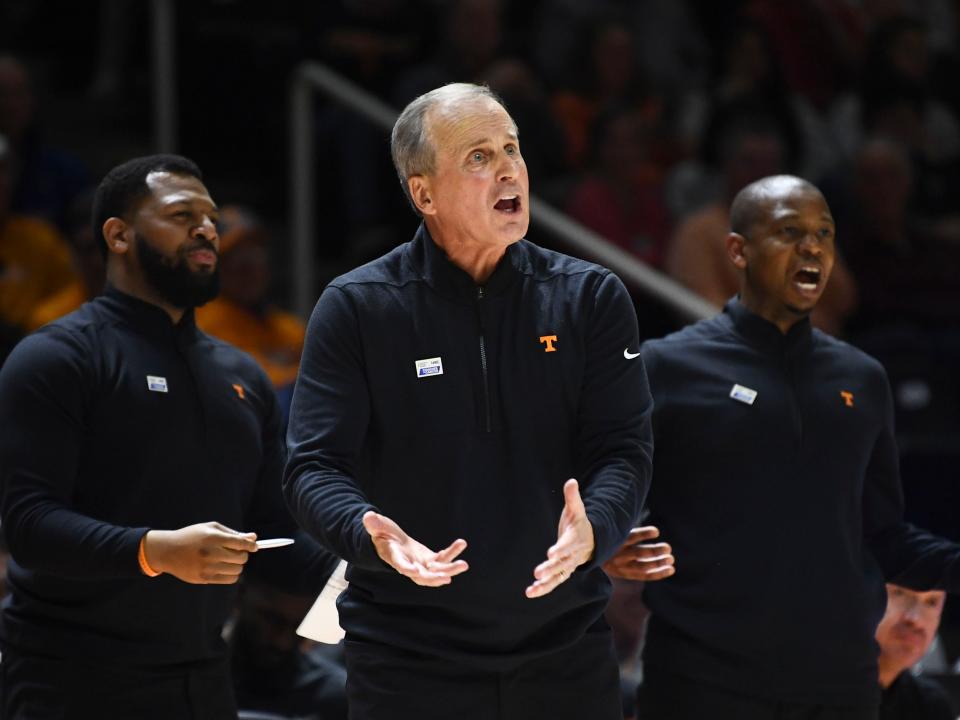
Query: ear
pixel 115 233
pixel 736 250
pixel 420 191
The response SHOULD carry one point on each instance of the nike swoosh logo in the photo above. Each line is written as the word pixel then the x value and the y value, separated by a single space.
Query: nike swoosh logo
pixel 629 355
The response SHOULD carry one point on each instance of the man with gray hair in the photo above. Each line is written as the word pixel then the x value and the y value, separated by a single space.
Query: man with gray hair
pixel 457 399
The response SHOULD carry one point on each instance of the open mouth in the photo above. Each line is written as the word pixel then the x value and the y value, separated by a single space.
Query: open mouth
pixel 808 278
pixel 510 204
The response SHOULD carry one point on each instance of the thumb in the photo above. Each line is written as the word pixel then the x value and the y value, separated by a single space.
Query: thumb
pixel 571 497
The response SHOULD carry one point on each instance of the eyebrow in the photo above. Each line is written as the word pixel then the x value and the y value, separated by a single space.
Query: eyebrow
pixel 477 142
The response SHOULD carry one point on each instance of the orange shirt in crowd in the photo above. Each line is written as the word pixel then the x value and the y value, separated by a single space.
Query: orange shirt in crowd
pixel 274 339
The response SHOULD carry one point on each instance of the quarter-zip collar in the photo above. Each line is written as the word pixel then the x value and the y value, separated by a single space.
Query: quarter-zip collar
pixel 763 334
pixel 147 318
pixel 429 261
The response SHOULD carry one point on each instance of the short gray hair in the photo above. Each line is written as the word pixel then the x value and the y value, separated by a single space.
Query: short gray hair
pixel 410 144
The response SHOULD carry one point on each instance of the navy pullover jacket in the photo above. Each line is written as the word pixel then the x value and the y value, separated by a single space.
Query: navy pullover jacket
pixel 782 501
pixel 541 381
pixel 113 420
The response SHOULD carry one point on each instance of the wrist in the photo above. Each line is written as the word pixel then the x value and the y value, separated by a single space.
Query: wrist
pixel 148 556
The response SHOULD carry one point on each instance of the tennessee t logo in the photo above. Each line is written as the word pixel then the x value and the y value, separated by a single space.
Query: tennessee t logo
pixel 548 340
pixel 847 397
pixel 240 393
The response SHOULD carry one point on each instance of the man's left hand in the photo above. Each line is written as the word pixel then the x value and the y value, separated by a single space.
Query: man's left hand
pixel 640 560
pixel 574 546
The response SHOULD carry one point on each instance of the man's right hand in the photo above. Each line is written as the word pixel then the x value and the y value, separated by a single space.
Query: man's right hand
pixel 410 558
pixel 206 553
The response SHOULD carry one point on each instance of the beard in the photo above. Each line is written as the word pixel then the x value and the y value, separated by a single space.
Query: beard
pixel 172 279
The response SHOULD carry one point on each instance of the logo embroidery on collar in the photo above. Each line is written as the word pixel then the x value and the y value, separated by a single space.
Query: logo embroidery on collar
pixel 847 397
pixel 240 392
pixel 548 340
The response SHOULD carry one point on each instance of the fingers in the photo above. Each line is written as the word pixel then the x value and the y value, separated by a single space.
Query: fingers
pixel 233 539
pixel 410 558
pixel 450 552
pixel 428 577
pixel 227 555
pixel 659 573
pixel 647 551
pixel 645 569
pixel 547 581
pixel 444 562
pixel 246 543
pixel 571 497
pixel 642 534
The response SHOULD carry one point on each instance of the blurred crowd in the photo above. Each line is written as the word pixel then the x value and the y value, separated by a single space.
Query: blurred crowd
pixel 641 119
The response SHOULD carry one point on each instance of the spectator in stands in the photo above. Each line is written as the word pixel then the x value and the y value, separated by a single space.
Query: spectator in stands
pixel 274 669
pixel 471 35
pixel 242 314
pixel 895 97
pixel 906 632
pixel 749 81
pixel 621 198
pixel 34 262
pixel 525 95
pixel 907 273
pixel 602 74
pixel 749 149
pixel 88 262
pixel 45 180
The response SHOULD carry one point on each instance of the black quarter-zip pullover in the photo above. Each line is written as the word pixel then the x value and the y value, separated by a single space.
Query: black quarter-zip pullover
pixel 535 388
pixel 776 482
pixel 116 421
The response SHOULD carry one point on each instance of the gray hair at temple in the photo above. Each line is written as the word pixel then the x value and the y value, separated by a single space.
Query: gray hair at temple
pixel 410 143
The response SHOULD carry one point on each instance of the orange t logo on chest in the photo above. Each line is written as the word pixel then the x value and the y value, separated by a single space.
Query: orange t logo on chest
pixel 847 397
pixel 240 393
pixel 548 340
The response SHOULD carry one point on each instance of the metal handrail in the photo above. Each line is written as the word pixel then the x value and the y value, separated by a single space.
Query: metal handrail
pixel 310 77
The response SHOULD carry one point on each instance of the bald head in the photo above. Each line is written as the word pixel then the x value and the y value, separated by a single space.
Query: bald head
pixel 755 199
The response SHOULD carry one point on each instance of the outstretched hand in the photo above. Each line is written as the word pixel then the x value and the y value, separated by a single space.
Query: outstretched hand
pixel 411 558
pixel 205 553
pixel 640 560
pixel 574 546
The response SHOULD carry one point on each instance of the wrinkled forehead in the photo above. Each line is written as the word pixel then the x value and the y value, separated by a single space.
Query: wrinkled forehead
pixel 457 124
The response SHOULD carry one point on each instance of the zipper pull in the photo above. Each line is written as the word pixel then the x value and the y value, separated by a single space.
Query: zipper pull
pixel 480 294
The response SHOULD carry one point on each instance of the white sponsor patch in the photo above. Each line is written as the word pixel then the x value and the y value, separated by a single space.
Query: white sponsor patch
pixel 156 383
pixel 429 367
pixel 743 394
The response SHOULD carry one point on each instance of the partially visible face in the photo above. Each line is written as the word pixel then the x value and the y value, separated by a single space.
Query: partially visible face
pixel 245 274
pixel 266 634
pixel 754 155
pixel 479 190
pixel 789 254
pixel 176 241
pixel 909 624
pixel 16 99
